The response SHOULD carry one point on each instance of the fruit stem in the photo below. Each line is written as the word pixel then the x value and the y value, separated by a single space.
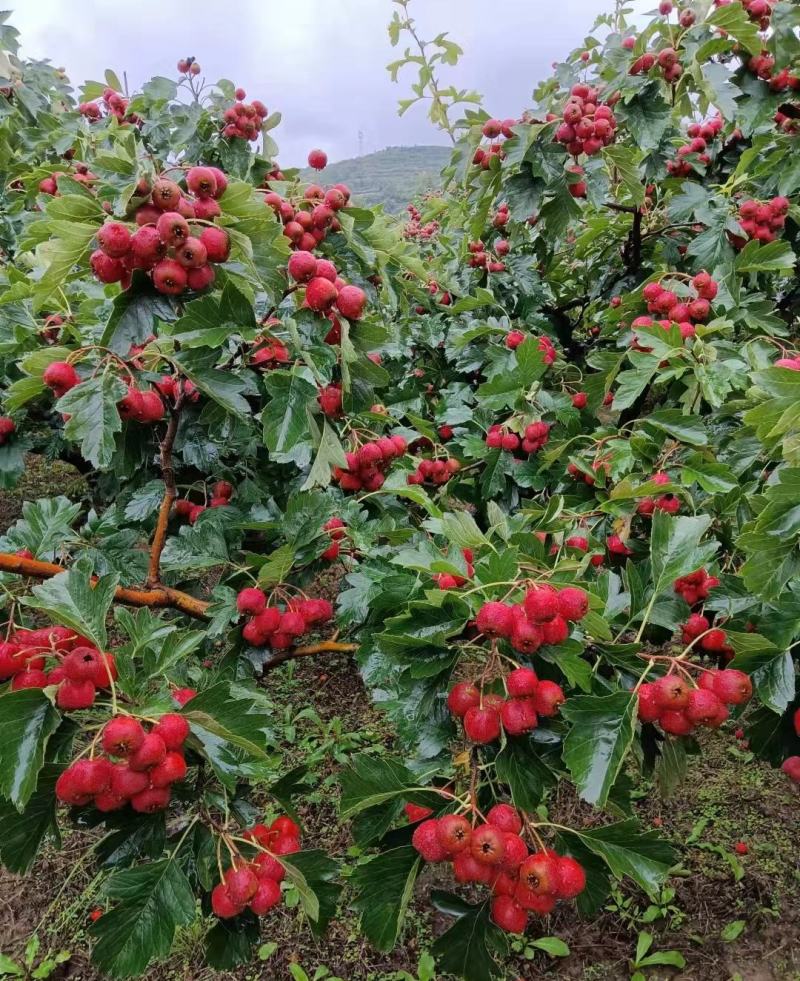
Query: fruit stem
pixel 170 493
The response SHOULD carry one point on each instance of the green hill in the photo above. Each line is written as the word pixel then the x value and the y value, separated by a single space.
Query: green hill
pixel 391 177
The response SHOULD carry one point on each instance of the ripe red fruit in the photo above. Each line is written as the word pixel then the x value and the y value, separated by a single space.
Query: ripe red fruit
pixel 173 228
pixel 169 277
pixel 526 637
pixel 173 729
pixel 733 687
pixel 521 683
pixel 482 725
pixel 202 181
pixel 251 601
pixel 75 784
pixel 548 698
pixel 217 243
pixel 541 603
pixel 703 706
pixel 414 812
pixel 495 619
pixel 675 723
pixel 515 852
pixel 106 269
pixel 192 254
pixel 505 817
pixel 200 278
pixel 671 693
pixel 171 769
pixel 454 832
pixel 114 239
pixel 267 895
pixel 518 715
pixel 317 159
pixel 486 845
pixel 508 915
pixel 151 800
pixel 81 664
pixel 147 247
pixel 302 266
pixel 555 631
pixel 539 874
pixel 571 877
pixel 791 767
pixel 467 869
pixel 461 697
pixel 426 841
pixel 351 302
pixel 741 848
pixel 573 603
pixel 166 194
pixel 241 884
pixel 151 752
pixel 73 695
pixel 321 294
pixel 221 903
pixel 122 736
pixel 127 783
pixel 268 867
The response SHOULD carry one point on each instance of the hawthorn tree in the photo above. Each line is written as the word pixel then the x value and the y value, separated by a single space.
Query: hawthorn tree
pixel 544 431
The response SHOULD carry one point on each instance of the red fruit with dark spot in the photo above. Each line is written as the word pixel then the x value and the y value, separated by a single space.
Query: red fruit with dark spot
pixel 495 619
pixel 321 294
pixel 202 181
pixel 217 243
pixel 73 695
pixel 169 277
pixel 192 254
pixel 251 601
pixel 454 832
pixel 733 687
pixel 486 845
pixel 548 698
pixel 166 194
pixel 539 874
pixel 671 693
pixel 173 228
pixel 114 239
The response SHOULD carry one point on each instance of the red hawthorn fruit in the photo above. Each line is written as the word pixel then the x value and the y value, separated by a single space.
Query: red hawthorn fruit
pixel 454 832
pixel 703 706
pixel 302 266
pixel 321 294
pixel 495 619
pixel 217 243
pixel 251 601
pixel 222 905
pixel 482 724
pixel 671 692
pixel 571 877
pixel 486 845
pixel 415 812
pixel 267 895
pixel 515 851
pixel 505 817
pixel 526 637
pixel 467 869
pixel 317 159
pixel 73 695
pixel 675 723
pixel 508 915
pixel 351 302
pixel 192 254
pixel 202 182
pixel 741 848
pixel 521 683
pixel 733 687
pixel 555 631
pixel 461 697
pixel 518 715
pixel 114 239
pixel 151 800
pixel 791 767
pixel 169 277
pixel 171 769
pixel 539 874
pixel 541 603
pixel 151 752
pixel 173 729
pixel 426 841
pixel 199 278
pixel 573 603
pixel 548 698
pixel 241 884
pixel 106 269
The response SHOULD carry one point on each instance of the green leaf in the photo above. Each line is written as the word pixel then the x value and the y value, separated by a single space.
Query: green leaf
pixel 329 454
pixel 467 948
pixel 686 429
pixel 134 313
pixel 71 599
pixel 734 21
pixel 520 765
pixel 222 387
pixel 94 419
pixel 462 530
pixel 27 720
pixel 625 161
pixel 552 946
pixel 383 888
pixel 21 834
pixel 732 930
pixel 598 741
pixel 368 781
pixel 150 903
pixel 675 547
pixel 770 257
pixel 285 416
pixel 671 766
pixel 320 894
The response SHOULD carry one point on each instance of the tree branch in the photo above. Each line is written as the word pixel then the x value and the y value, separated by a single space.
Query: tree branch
pixel 323 647
pixel 170 493
pixel 160 597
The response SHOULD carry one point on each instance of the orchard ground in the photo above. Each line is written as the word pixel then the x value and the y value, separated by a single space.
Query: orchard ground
pixel 728 797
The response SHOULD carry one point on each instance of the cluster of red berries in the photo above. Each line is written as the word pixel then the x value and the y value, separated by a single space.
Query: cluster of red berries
pixel 761 220
pixel 335 528
pixel 597 465
pixel 269 353
pixel 149 763
pixel 700 135
pixel 324 287
pixel 221 494
pixel 692 309
pixel 493 129
pixel 189 66
pixel 485 716
pixel 244 119
pixel 269 626
pixel 543 617
pixel 76 667
pixel 436 472
pixel 678 707
pixel 141 406
pixel 366 466
pixel 695 586
pixel 515 337
pixel 534 437
pixel 480 256
pixel 711 641
pixel 445 580
pixel 587 126
pixel 758 10
pixel 82 174
pixel 7 427
pixel 791 765
pixel 664 502
pixel 414 227
pixel 256 884
pixel 666 60
pixel 164 245
pixel 308 223
pixel 494 853
pixel 114 104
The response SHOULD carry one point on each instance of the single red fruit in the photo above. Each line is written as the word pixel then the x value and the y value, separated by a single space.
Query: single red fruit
pixel 122 736
pixel 521 683
pixel 508 915
pixel 454 832
pixel 426 841
pixel 486 845
pixel 267 895
pixel 222 905
pixel 539 874
pixel 482 725
pixel 463 696
pixel 505 817
pixel 548 698
pixel 571 877
pixel 151 752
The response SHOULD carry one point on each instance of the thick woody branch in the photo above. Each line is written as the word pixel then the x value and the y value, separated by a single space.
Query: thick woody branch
pixel 323 647
pixel 170 493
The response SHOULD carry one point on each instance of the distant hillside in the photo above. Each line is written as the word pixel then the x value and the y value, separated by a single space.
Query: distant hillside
pixel 391 177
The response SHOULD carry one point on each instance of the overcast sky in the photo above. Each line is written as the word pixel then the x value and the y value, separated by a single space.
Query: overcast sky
pixel 320 62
